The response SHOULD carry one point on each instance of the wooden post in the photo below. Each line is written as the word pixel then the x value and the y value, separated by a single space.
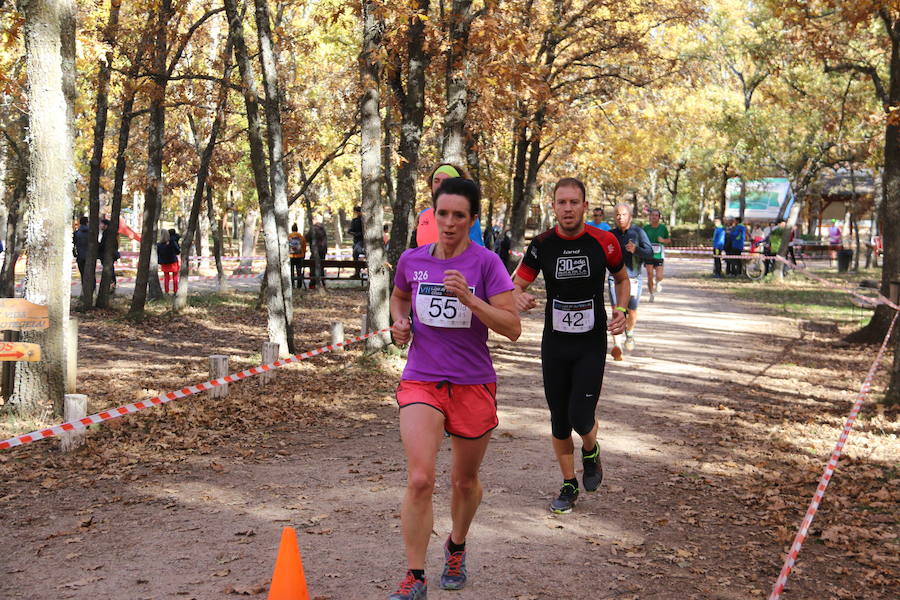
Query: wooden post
pixel 8 377
pixel 218 367
pixel 74 408
pixel 269 355
pixel 337 335
pixel 72 357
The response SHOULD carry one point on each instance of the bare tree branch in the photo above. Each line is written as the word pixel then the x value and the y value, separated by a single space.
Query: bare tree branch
pixel 869 70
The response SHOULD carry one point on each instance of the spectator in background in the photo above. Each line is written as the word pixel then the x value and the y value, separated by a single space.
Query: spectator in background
pixel 297 249
pixel 718 244
pixel 835 239
pixel 356 230
pixel 167 252
pixel 757 237
pixel 773 245
pixel 598 221
pixel 318 247
pixel 386 233
pixel 176 238
pixel 108 237
pixel 80 240
pixel 735 238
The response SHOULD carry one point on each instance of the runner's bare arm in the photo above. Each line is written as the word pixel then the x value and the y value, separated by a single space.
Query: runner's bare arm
pixel 498 313
pixel 616 324
pixel 524 302
pixel 401 303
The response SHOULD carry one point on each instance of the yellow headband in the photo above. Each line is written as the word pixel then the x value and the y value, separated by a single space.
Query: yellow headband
pixel 446 170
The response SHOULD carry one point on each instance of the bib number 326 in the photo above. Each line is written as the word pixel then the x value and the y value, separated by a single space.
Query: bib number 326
pixel 573 317
pixel 436 307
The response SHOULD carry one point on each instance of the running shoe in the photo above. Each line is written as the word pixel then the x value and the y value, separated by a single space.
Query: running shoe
pixel 593 470
pixel 652 297
pixel 659 287
pixel 410 589
pixel 629 342
pixel 454 575
pixel 565 502
pixel 616 352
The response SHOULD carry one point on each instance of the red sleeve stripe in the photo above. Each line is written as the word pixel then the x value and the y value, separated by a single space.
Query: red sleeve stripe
pixel 526 273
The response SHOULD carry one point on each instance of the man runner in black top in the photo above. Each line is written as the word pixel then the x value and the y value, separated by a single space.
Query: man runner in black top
pixel 574 259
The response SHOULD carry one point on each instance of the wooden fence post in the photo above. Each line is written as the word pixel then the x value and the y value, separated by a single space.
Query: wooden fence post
pixel 269 355
pixel 74 408
pixel 364 324
pixel 218 367
pixel 337 335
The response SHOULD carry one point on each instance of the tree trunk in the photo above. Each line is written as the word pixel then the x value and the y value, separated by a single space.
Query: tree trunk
pixel 275 219
pixel 518 209
pixel 249 224
pixel 107 260
pixel 104 70
pixel 411 99
pixel 217 235
pixel 279 313
pixel 723 192
pixel 386 162
pixel 147 274
pixel 13 241
pixel 876 329
pixel 378 312
pixel 453 147
pixel 181 296
pixel 49 47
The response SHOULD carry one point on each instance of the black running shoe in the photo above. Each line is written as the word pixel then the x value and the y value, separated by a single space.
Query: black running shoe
pixel 566 500
pixel 593 470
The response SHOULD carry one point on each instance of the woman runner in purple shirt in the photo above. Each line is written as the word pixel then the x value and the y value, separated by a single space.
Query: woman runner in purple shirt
pixel 456 291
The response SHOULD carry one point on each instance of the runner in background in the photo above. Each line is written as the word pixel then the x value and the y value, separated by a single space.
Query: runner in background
pixel 635 250
pixel 426 226
pixel 456 291
pixel 574 259
pixel 658 234
pixel 598 221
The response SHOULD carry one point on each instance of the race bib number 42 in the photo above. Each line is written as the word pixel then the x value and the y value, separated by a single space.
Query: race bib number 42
pixel 573 317
pixel 437 307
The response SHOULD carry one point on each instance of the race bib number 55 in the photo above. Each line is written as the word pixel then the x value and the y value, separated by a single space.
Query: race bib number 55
pixel 573 317
pixel 437 307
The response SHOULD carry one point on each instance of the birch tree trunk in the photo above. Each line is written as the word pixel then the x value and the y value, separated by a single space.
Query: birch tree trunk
pixel 49 39
pixel 147 274
pixel 378 313
pixel 279 313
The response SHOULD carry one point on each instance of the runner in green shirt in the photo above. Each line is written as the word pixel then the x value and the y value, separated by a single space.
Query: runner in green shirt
pixel 659 235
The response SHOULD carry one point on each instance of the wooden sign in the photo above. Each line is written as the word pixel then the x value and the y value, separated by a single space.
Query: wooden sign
pixel 20 314
pixel 19 351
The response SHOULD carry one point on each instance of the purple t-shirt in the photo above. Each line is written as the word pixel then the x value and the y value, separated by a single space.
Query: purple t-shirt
pixel 449 342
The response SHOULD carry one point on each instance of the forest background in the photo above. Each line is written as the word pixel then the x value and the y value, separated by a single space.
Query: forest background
pixel 219 117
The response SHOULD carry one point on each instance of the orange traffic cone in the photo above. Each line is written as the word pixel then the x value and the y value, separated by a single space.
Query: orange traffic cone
pixel 288 581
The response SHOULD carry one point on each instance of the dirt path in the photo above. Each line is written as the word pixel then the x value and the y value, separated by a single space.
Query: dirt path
pixel 673 518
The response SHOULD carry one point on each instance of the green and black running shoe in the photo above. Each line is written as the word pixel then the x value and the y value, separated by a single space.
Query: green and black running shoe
pixel 565 502
pixel 593 470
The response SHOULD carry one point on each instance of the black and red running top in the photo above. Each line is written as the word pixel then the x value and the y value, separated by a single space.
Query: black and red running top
pixel 574 271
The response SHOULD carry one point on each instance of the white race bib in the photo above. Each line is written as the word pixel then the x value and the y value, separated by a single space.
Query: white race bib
pixel 657 249
pixel 573 317
pixel 436 307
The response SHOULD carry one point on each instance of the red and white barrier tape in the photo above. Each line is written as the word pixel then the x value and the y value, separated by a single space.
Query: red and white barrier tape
pixel 115 413
pixel 829 471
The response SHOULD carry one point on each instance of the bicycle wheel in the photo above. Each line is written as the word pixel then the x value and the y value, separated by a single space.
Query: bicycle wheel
pixel 755 268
